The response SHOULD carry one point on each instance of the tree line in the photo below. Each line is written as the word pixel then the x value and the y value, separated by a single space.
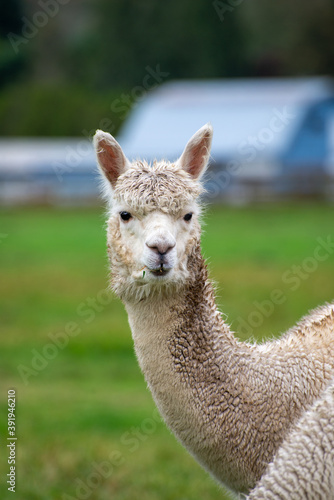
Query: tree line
pixel 91 49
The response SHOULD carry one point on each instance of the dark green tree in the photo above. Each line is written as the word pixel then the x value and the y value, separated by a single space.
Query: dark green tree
pixel 186 39
pixel 297 35
pixel 11 63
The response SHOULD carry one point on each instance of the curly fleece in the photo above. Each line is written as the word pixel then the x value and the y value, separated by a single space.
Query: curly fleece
pixel 161 186
pixel 303 467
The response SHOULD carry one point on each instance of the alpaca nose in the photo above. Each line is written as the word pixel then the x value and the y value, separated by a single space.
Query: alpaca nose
pixel 161 245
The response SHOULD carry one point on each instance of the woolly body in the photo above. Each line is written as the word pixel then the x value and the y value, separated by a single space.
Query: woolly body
pixel 304 465
pixel 231 404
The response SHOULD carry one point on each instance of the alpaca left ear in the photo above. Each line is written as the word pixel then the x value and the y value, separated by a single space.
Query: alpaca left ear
pixel 195 156
pixel 111 159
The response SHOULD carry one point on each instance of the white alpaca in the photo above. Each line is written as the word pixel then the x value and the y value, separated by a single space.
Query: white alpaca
pixel 303 468
pixel 231 404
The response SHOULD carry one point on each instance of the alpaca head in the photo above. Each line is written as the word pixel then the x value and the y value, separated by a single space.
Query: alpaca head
pixel 153 223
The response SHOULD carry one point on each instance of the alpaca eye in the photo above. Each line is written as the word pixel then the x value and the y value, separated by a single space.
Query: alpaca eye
pixel 125 216
pixel 187 217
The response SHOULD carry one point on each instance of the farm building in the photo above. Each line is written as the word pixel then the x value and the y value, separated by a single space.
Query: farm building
pixel 272 138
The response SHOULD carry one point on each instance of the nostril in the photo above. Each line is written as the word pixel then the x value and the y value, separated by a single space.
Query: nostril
pixel 162 250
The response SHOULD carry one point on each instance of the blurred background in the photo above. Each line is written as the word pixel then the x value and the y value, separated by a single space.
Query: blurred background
pixel 151 74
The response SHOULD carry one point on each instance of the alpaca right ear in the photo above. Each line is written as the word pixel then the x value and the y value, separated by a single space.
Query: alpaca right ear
pixel 196 154
pixel 110 157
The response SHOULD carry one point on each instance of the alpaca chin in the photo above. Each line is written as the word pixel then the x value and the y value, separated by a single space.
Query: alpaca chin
pixel 140 285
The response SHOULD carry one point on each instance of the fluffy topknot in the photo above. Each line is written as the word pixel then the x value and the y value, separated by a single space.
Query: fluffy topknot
pixel 161 186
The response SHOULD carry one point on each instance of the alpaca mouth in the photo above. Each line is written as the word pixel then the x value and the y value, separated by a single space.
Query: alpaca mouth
pixel 160 272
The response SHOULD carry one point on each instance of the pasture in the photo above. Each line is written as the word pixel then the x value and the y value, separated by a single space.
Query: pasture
pixel 86 424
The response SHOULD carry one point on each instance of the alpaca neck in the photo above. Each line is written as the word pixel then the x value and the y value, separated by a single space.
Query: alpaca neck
pixel 182 344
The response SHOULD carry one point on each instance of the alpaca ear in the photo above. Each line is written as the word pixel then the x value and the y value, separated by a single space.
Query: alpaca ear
pixel 110 157
pixel 195 156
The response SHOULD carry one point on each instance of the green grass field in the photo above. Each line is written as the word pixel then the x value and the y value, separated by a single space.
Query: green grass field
pixel 86 425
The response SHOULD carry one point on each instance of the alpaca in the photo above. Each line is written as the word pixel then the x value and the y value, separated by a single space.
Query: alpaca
pixel 231 404
pixel 303 467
